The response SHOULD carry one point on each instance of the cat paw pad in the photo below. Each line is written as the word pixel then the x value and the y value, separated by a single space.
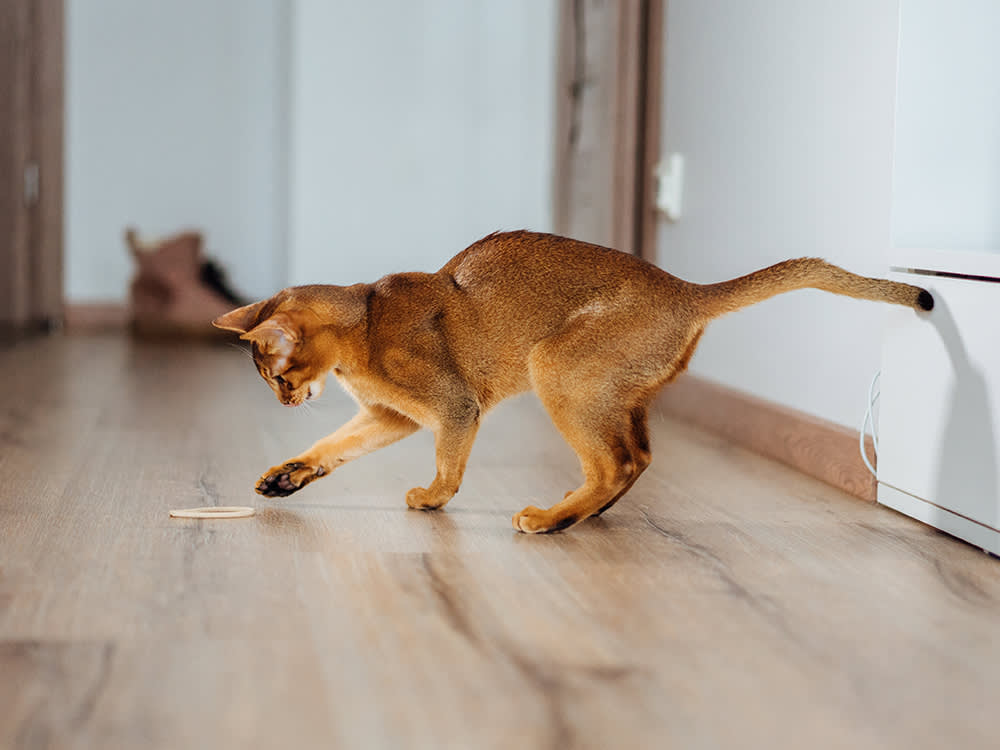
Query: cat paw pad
pixel 282 481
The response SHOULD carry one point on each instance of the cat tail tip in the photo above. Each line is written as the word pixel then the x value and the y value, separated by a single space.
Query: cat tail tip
pixel 925 300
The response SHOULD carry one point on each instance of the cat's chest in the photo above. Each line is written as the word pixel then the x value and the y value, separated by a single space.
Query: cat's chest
pixel 355 387
pixel 368 390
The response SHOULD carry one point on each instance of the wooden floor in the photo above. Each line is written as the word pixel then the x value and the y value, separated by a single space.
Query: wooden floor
pixel 725 602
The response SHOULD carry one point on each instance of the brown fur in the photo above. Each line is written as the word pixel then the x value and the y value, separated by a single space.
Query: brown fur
pixel 594 332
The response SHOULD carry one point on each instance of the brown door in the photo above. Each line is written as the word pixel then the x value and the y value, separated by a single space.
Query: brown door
pixel 31 162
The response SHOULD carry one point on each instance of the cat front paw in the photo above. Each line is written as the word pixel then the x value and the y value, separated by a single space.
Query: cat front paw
pixel 424 499
pixel 283 480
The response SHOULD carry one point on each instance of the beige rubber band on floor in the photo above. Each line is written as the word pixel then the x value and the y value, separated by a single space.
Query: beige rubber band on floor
pixel 213 511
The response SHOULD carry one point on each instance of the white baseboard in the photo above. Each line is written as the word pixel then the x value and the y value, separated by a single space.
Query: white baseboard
pixel 936 516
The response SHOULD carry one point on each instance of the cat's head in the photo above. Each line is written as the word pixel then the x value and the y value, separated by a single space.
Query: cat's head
pixel 294 337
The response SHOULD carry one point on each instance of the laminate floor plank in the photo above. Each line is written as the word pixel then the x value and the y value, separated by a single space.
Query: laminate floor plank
pixel 726 601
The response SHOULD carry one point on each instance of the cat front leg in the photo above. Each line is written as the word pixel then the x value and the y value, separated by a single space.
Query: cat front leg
pixel 289 477
pixel 371 428
pixel 453 441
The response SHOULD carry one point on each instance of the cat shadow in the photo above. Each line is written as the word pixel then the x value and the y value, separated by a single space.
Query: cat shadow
pixel 966 472
pixel 280 520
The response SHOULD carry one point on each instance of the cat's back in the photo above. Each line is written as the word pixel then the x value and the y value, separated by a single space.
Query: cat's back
pixel 553 272
pixel 539 255
pixel 510 290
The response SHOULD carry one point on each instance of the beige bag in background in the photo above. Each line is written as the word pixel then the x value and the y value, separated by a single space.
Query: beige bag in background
pixel 175 290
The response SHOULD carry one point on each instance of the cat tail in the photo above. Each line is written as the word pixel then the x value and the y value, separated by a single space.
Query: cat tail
pixel 807 273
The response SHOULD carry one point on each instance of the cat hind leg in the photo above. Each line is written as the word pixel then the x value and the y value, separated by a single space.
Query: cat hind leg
pixel 603 418
pixel 611 464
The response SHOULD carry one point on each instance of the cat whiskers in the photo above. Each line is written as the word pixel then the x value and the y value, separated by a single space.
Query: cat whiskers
pixel 245 350
pixel 309 408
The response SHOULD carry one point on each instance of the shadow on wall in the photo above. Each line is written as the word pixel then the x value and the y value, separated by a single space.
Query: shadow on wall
pixel 966 474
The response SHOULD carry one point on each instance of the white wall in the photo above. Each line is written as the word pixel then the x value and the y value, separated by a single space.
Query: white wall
pixel 174 119
pixel 784 112
pixel 312 140
pixel 947 179
pixel 417 127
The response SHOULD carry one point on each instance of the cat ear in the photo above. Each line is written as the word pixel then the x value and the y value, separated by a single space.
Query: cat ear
pixel 240 320
pixel 276 335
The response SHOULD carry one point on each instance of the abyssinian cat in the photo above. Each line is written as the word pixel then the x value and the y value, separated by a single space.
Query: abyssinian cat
pixel 593 331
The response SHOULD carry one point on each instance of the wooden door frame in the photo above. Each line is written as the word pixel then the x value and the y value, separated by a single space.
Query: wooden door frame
pixel 646 217
pixel 31 255
pixel 609 76
pixel 49 138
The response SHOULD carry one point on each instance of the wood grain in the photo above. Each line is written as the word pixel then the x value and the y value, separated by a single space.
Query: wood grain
pixel 814 446
pixel 727 601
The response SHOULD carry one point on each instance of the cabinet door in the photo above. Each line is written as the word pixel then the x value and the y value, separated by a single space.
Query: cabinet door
pixel 939 415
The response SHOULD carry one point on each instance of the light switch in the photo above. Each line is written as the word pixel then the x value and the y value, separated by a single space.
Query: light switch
pixel 670 186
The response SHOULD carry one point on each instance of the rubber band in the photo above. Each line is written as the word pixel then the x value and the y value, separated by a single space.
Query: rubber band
pixel 213 511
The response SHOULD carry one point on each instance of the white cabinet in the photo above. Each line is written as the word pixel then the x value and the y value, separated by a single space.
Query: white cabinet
pixel 940 404
pixel 939 421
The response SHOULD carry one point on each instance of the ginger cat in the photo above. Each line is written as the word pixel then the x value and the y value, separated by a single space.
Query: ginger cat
pixel 593 331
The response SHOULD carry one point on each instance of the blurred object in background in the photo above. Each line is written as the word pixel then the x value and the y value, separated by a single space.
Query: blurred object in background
pixel 175 290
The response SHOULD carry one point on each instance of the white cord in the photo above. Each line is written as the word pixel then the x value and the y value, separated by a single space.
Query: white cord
pixel 870 419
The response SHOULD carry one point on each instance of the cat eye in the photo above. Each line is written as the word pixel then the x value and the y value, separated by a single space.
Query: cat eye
pixel 282 382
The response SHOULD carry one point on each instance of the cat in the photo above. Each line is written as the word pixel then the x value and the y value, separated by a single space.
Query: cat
pixel 593 331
